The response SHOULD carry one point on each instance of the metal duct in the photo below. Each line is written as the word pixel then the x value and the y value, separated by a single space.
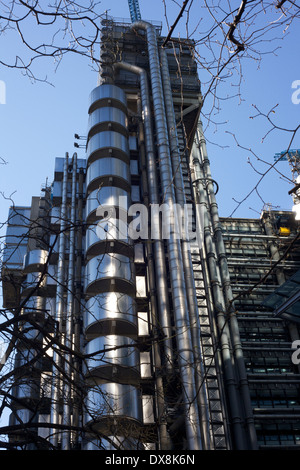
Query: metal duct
pixel 59 306
pixel 159 253
pixel 184 342
pixel 225 279
pixel 230 376
pixel 186 253
pixel 66 418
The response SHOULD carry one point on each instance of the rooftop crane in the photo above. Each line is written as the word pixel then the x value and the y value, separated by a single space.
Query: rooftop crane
pixel 134 8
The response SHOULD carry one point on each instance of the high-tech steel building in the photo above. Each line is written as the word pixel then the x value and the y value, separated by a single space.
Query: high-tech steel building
pixel 131 341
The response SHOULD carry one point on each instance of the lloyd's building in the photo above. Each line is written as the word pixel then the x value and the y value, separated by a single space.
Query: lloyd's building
pixel 132 335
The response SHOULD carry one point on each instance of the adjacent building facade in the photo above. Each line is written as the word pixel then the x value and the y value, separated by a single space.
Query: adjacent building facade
pixel 142 322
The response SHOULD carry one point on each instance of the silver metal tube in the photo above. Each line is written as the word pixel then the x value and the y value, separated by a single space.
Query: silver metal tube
pixel 204 220
pixel 66 436
pixel 186 253
pixel 59 306
pixel 160 267
pixel 77 304
pixel 183 336
pixel 225 278
pixel 164 438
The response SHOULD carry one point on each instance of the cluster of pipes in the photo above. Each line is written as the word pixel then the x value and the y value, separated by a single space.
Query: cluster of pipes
pixel 109 287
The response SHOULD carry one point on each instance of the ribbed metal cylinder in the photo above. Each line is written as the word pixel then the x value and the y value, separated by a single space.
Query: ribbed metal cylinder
pixel 111 313
pixel 110 322
pixel 107 117
pixel 107 143
pixel 33 281
pixel 106 198
pixel 112 357
pixel 111 401
pixel 107 94
pixel 26 392
pixel 108 171
pixel 109 271
pixel 99 236
pixel 35 260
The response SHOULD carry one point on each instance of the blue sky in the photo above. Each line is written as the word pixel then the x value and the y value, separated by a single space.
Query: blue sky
pixel 38 121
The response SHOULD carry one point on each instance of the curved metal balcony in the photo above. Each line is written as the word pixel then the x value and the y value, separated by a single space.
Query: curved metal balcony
pixel 110 313
pixel 35 260
pixel 113 358
pixel 35 306
pixel 108 236
pixel 106 199
pixel 108 171
pixel 105 95
pixel 107 144
pixel 42 310
pixel 35 281
pixel 109 272
pixel 107 118
pixel 40 284
pixel 109 402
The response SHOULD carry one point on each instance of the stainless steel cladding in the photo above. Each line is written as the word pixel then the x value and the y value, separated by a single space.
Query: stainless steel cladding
pixel 111 357
pixel 107 197
pixel 110 231
pixel 110 322
pixel 35 260
pixel 111 313
pixel 108 171
pixel 109 271
pixel 107 94
pixel 33 283
pixel 107 117
pixel 107 143
pixel 111 401
pixel 34 305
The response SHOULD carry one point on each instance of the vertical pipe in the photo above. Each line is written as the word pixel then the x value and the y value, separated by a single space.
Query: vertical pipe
pixel 185 353
pixel 77 302
pixel 160 267
pixel 225 278
pixel 66 436
pixel 164 438
pixel 55 395
pixel 236 418
pixel 186 251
